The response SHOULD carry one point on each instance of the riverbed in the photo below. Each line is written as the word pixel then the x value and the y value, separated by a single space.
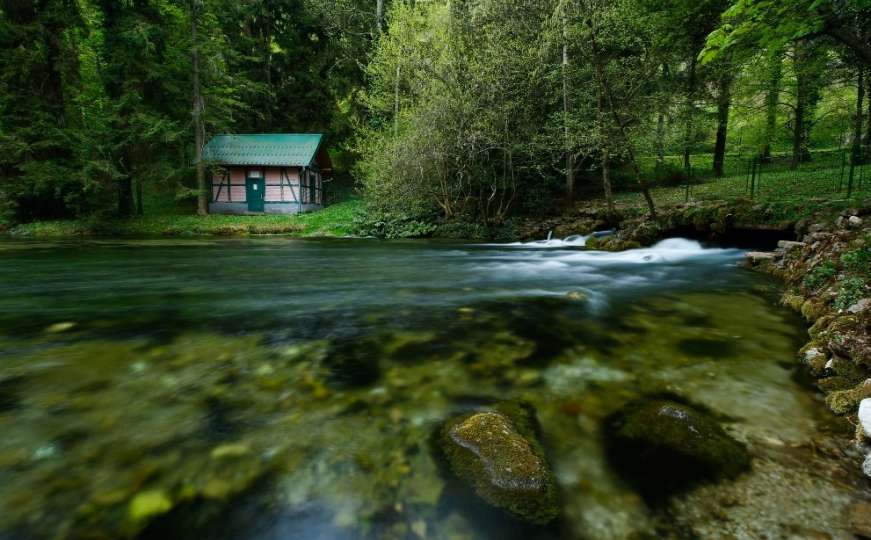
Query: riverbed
pixel 278 388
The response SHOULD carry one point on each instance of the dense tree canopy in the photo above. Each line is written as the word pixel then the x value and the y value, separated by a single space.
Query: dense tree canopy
pixel 467 109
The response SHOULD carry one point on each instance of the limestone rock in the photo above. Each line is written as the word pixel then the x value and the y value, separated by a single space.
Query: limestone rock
pixel 505 467
pixel 866 467
pixel 854 222
pixel 787 245
pixel 758 257
pixel 860 306
pixel 865 415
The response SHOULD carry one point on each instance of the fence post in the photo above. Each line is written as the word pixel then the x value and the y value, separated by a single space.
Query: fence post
pixel 850 177
pixel 687 187
pixel 747 179
pixel 759 163
pixel 843 166
pixel 753 179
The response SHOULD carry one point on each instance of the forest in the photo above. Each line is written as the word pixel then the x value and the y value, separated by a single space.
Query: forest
pixel 470 110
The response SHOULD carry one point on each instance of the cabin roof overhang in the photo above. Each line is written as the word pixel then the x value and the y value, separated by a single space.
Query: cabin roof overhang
pixel 269 149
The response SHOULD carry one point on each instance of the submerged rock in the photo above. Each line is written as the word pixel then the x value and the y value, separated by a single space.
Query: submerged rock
pixel 149 504
pixel 61 327
pixel 503 463
pixel 663 446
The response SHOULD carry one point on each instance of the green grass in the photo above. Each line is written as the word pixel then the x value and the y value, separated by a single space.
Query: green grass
pixel 334 221
pixel 809 182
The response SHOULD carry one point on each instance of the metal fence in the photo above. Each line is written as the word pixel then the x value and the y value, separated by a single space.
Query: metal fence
pixel 828 174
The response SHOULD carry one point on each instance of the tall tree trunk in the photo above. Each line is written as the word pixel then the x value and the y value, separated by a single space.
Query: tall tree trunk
pixel 724 102
pixel 605 142
pixel 772 101
pixel 199 128
pixel 689 128
pixel 660 139
pixel 396 101
pixel 860 113
pixel 807 97
pixel 798 127
pixel 570 156
pixel 379 15
pixel 660 121
pixel 125 196
pixel 140 205
pixel 868 119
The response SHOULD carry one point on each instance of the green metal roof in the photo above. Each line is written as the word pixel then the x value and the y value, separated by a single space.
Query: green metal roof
pixel 286 150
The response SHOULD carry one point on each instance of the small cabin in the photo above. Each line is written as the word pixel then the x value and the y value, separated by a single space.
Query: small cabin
pixel 267 174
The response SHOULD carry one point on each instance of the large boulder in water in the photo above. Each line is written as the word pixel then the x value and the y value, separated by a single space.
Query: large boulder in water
pixel 499 458
pixel 662 446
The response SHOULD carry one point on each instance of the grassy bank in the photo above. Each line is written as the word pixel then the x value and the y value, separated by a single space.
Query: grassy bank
pixel 334 221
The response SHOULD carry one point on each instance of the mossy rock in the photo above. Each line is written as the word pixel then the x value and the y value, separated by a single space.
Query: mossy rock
pixel 498 456
pixel 812 310
pixel 662 446
pixel 592 243
pixel 793 301
pixel 847 401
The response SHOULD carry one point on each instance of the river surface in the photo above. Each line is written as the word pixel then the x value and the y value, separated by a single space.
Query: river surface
pixel 286 389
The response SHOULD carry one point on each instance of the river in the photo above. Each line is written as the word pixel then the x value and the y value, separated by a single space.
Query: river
pixel 281 389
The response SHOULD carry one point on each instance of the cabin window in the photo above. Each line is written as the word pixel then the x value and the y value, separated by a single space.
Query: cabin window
pixel 255 174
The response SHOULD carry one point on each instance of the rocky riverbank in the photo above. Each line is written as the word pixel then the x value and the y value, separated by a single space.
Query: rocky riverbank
pixel 826 275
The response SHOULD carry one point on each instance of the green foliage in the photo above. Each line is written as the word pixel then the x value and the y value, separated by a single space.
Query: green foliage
pixel 669 174
pixel 857 261
pixel 459 112
pixel 852 290
pixel 96 96
pixel 820 275
pixel 391 225
pixel 453 107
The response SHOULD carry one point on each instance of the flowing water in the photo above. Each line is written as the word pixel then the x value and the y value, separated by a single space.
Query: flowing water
pixel 283 389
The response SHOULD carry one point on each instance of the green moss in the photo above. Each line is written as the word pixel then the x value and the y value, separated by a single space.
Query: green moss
pixel 793 301
pixel 498 456
pixel 847 401
pixel 149 504
pixel 812 309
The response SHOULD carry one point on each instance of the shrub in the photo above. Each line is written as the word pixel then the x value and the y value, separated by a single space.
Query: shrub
pixel 392 225
pixel 820 275
pixel 852 290
pixel 669 174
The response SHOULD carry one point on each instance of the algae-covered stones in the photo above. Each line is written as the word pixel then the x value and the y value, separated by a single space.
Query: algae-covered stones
pixel 149 504
pixel 504 464
pixel 663 446
pixel 61 327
